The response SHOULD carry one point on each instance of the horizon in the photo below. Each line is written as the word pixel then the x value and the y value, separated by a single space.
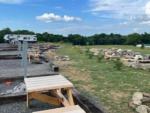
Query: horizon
pixel 71 34
pixel 72 17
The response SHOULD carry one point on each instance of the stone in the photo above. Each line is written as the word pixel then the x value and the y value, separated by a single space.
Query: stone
pixel 137 97
pixel 142 109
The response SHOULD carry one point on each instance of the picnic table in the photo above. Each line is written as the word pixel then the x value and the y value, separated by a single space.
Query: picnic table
pixel 49 89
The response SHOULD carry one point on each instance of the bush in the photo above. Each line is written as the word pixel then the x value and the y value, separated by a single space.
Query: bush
pixel 118 64
pixel 79 50
pixel 90 55
pixel 142 46
pixel 87 51
pixel 100 57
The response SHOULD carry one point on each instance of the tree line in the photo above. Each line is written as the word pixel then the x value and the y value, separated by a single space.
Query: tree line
pixel 76 39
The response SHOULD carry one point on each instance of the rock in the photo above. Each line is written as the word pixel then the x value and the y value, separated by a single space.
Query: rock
pixel 17 89
pixel 137 97
pixel 132 105
pixel 62 58
pixel 142 109
pixel 138 57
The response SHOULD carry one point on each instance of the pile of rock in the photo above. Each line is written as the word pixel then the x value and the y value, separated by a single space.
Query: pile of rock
pixel 95 51
pixel 118 53
pixel 62 58
pixel 140 102
pixel 46 47
pixel 129 58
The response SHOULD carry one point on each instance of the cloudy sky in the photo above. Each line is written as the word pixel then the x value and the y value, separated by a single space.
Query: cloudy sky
pixel 84 17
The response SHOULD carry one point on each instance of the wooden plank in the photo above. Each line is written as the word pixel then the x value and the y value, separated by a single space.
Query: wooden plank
pixel 43 78
pixel 70 97
pixel 47 83
pixel 64 101
pixel 45 98
pixel 46 88
pixel 27 100
pixel 70 109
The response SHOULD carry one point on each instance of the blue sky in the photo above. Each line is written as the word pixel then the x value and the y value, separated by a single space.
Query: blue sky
pixel 84 17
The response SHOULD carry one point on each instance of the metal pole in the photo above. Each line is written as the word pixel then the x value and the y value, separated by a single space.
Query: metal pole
pixel 24 55
pixel 19 48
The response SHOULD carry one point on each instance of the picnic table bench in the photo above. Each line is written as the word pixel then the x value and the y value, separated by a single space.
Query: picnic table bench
pixel 37 86
pixel 70 109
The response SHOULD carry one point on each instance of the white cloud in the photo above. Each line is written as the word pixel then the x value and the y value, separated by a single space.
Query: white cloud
pixel 11 1
pixel 129 10
pixel 51 17
pixel 147 9
pixel 70 18
pixel 135 29
pixel 124 23
pixel 145 22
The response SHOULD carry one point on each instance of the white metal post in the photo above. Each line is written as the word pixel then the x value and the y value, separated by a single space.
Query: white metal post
pixel 24 57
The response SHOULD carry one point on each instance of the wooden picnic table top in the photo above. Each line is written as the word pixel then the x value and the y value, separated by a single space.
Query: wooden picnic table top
pixel 46 83
pixel 70 109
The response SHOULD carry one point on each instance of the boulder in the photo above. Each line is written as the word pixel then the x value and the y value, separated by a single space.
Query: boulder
pixel 137 97
pixel 142 109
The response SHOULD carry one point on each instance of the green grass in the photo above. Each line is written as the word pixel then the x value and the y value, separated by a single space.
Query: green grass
pixel 111 87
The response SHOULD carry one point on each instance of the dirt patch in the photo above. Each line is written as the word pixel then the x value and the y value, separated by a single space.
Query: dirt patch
pixel 76 74
pixel 81 77
pixel 117 96
pixel 63 64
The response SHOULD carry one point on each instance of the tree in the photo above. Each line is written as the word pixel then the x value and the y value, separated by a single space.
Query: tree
pixel 40 37
pixel 76 39
pixel 145 38
pixel 134 39
pixel 23 32
pixel 3 32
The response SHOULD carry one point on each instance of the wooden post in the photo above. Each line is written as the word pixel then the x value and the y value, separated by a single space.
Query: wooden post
pixel 27 100
pixel 29 57
pixel 64 101
pixel 70 97
pixel 29 97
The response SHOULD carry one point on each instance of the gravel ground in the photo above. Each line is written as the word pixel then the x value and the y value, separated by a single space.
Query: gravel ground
pixel 12 68
pixel 19 106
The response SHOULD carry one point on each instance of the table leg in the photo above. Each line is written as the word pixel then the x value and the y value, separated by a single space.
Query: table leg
pixel 27 100
pixel 70 96
pixel 29 97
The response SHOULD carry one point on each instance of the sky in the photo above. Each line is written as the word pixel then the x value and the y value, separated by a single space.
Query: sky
pixel 85 17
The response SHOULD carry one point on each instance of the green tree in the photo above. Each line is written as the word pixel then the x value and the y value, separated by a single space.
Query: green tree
pixel 3 32
pixel 133 39
pixel 23 32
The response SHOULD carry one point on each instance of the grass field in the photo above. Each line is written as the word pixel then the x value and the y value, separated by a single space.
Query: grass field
pixel 100 80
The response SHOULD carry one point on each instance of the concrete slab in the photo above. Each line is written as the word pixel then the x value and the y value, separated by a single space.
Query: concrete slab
pixel 13 69
pixel 9 53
